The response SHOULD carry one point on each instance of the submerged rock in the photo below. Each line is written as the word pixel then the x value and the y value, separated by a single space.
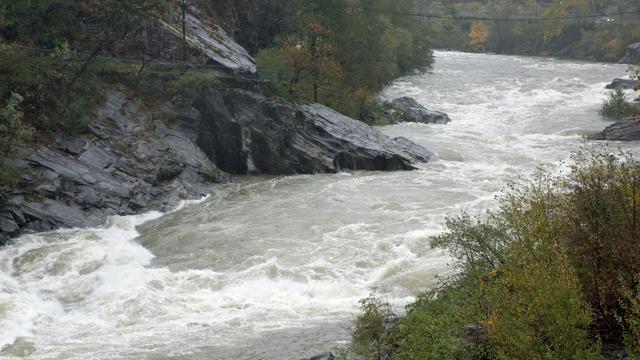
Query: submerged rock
pixel 626 130
pixel 323 356
pixel 247 133
pixel 632 54
pixel 622 84
pixel 409 110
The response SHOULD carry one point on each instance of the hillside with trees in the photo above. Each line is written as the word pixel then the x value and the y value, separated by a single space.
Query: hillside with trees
pixel 582 29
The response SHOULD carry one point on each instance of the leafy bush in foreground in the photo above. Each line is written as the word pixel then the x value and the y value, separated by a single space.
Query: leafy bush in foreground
pixel 618 106
pixel 552 274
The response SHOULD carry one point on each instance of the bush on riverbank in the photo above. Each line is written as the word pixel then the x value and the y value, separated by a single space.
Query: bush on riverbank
pixel 618 106
pixel 553 273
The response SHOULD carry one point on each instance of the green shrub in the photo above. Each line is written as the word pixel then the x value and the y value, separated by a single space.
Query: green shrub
pixel 13 133
pixel 434 325
pixel 371 333
pixel 552 274
pixel 13 130
pixel 631 320
pixel 190 83
pixel 618 106
pixel 50 101
pixel 10 175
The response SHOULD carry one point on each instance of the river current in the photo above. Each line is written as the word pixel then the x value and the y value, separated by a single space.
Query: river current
pixel 274 267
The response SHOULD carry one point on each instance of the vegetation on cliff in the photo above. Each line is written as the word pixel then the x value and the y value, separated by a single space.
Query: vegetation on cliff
pixel 341 54
pixel 553 273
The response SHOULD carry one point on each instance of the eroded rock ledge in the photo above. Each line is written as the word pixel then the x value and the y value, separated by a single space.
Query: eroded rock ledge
pixel 625 130
pixel 130 162
pixel 247 133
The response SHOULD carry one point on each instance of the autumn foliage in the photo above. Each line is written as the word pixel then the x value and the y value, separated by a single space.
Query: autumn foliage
pixel 554 273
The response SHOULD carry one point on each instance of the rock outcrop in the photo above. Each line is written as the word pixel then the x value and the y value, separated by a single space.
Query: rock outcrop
pixel 130 162
pixel 626 130
pixel 407 109
pixel 246 133
pixel 632 54
pixel 210 40
pixel 622 84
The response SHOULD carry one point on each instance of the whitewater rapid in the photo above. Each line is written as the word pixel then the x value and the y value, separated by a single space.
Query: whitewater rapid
pixel 274 267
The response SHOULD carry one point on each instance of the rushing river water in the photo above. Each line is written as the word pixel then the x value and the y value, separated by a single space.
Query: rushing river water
pixel 273 267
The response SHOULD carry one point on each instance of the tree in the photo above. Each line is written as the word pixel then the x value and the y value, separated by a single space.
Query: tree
pixel 478 35
pixel 312 54
pixel 13 131
pixel 116 21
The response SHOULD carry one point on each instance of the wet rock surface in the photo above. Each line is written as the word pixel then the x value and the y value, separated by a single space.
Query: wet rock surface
pixel 210 41
pixel 626 130
pixel 129 162
pixel 407 109
pixel 622 84
pixel 632 54
pixel 247 133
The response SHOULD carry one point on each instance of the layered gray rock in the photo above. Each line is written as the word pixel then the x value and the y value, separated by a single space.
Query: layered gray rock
pixel 626 130
pixel 407 109
pixel 632 54
pixel 130 162
pixel 622 84
pixel 247 133
pixel 210 40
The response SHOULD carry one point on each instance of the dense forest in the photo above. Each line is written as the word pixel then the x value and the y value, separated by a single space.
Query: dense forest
pixel 584 29
pixel 337 52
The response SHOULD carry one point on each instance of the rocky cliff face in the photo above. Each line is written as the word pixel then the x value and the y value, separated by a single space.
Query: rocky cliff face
pixel 247 133
pixel 134 161
pixel 632 54
pixel 129 162
pixel 209 39
pixel 407 109
pixel 625 130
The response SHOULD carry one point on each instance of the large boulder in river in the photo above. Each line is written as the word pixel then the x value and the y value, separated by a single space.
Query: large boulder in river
pixel 409 110
pixel 632 54
pixel 626 130
pixel 622 84
pixel 247 133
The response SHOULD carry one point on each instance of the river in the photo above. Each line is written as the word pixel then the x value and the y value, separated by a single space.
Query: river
pixel 274 267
